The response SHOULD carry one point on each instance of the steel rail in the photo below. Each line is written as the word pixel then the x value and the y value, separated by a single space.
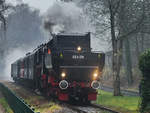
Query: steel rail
pixel 104 108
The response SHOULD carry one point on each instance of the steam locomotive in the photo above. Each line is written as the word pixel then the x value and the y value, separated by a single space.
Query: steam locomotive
pixel 64 67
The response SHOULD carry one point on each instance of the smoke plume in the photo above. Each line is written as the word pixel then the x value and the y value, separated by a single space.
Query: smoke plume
pixel 25 32
pixel 66 17
pixel 23 35
pixel 12 56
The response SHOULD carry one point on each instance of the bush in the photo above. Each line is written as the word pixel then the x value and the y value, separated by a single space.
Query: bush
pixel 144 65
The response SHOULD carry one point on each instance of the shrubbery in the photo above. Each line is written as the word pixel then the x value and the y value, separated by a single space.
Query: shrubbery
pixel 144 65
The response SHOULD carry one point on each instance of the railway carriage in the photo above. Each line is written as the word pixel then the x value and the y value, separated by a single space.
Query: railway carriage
pixel 64 67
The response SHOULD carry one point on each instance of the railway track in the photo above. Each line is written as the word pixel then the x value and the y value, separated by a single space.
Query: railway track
pixel 103 108
pixel 91 108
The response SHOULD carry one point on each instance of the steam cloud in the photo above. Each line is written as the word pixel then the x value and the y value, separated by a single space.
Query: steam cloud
pixel 10 58
pixel 61 17
pixel 23 35
pixel 66 17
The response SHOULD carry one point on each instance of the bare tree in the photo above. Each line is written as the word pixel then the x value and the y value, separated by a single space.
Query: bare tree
pixel 120 29
pixel 3 8
pixel 111 16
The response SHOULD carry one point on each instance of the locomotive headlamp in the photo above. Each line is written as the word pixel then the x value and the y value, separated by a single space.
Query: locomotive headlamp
pixel 79 48
pixel 95 75
pixel 63 74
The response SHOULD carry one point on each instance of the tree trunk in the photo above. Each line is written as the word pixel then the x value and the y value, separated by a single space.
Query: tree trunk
pixel 123 31
pixel 116 76
pixel 128 62
pixel 117 91
pixel 142 42
pixel 137 47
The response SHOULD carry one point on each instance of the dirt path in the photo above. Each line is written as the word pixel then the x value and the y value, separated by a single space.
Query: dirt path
pixel 124 92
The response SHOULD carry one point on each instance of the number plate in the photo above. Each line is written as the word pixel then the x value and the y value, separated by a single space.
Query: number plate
pixel 77 57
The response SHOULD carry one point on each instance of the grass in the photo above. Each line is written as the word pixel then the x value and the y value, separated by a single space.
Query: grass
pixel 5 105
pixel 41 105
pixel 124 104
pixel 48 108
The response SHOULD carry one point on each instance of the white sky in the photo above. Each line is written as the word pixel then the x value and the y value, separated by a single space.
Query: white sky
pixel 43 5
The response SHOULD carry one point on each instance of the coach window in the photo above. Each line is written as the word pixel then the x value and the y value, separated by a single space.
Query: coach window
pixel 48 61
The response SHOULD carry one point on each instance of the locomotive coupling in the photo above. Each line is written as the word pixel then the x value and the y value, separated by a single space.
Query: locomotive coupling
pixel 63 84
pixel 95 84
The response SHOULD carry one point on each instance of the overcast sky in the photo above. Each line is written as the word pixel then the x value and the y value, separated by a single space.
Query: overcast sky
pixel 43 5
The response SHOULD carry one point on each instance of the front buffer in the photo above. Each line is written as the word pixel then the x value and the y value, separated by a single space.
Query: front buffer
pixel 79 91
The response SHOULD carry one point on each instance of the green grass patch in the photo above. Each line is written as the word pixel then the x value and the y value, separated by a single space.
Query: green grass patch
pixel 41 105
pixel 48 108
pixel 5 105
pixel 124 104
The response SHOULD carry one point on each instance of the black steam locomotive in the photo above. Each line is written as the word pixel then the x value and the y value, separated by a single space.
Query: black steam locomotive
pixel 64 67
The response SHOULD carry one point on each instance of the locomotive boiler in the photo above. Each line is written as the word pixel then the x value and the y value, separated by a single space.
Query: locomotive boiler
pixel 64 67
